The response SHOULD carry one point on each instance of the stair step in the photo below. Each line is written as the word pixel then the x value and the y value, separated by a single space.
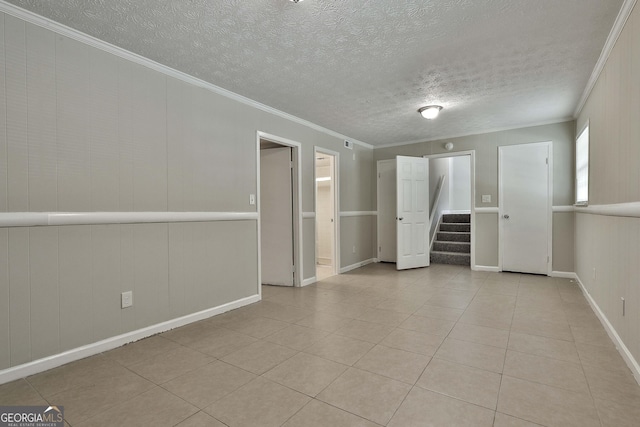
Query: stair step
pixel 451 236
pixel 458 247
pixel 456 218
pixel 457 227
pixel 451 258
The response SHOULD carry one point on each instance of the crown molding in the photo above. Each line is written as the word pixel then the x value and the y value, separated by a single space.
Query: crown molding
pixel 61 29
pixel 614 34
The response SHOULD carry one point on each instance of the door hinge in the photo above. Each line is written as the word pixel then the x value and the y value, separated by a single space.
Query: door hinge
pixel 546 160
pixel 293 268
pixel 379 248
pixel 379 175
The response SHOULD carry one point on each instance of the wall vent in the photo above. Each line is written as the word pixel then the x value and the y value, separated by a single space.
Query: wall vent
pixel 348 144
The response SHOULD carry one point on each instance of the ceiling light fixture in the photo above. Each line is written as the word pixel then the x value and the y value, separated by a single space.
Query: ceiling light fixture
pixel 295 1
pixel 430 111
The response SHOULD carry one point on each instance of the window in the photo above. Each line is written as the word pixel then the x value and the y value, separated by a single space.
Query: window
pixel 582 167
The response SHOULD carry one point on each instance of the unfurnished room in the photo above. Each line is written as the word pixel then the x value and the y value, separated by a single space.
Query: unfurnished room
pixel 320 213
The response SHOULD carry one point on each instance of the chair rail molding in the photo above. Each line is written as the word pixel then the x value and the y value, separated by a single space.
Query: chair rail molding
pixel 36 219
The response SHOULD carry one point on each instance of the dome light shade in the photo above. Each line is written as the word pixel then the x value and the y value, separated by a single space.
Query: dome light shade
pixel 430 111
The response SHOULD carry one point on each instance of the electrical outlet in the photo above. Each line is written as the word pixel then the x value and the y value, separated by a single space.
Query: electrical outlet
pixel 486 198
pixel 127 299
pixel 594 273
pixel 252 199
pixel 354 249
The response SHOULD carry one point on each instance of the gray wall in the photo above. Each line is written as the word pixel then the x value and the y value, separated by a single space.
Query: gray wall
pixel 486 148
pixel 357 188
pixel 459 188
pixel 607 247
pixel 437 168
pixel 85 130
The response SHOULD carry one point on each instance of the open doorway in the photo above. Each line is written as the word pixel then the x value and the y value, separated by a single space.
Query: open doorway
pixel 326 213
pixel 452 208
pixel 279 211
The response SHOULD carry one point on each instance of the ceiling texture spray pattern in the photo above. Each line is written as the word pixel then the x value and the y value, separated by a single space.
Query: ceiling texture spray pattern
pixel 363 67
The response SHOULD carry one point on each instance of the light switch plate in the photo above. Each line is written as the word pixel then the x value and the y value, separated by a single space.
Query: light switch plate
pixel 486 198
pixel 127 299
pixel 252 199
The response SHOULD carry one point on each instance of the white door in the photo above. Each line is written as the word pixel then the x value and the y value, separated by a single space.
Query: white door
pixel 525 206
pixel 412 211
pixel 276 216
pixel 387 211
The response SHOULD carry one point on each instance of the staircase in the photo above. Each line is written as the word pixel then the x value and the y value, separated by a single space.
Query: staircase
pixel 453 240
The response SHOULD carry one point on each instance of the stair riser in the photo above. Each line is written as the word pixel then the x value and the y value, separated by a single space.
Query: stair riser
pixel 458 228
pixel 453 237
pixel 451 259
pixel 456 218
pixel 452 247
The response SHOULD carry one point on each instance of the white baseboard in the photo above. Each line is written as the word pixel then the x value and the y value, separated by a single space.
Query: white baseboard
pixel 564 274
pixel 41 365
pixel 631 362
pixel 309 281
pixel 491 268
pixel 356 265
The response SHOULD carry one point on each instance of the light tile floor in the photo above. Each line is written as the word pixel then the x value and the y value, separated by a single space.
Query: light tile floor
pixel 323 271
pixel 440 346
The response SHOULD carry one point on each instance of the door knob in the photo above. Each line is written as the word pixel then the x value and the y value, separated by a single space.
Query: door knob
pixel 505 216
pixel 399 219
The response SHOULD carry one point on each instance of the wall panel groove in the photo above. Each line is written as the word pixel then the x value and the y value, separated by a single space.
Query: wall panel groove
pixel 16 97
pixel 4 161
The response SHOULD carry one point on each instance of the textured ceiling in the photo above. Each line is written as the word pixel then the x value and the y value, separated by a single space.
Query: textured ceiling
pixel 363 67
